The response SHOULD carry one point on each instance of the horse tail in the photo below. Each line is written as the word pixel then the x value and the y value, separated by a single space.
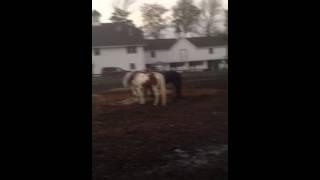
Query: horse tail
pixel 163 90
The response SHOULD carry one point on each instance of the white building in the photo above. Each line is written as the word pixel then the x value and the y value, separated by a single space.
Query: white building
pixel 116 45
pixel 122 45
pixel 197 53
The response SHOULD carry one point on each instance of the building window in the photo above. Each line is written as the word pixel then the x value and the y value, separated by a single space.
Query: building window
pixel 132 66
pixel 131 50
pixel 130 32
pixel 210 50
pixel 196 63
pixel 96 52
pixel 153 54
pixel 176 65
pixel 119 28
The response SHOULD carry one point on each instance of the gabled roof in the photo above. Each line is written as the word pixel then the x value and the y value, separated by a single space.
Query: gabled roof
pixel 209 41
pixel 159 44
pixel 162 44
pixel 116 34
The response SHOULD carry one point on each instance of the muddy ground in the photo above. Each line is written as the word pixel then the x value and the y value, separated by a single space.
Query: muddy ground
pixel 185 140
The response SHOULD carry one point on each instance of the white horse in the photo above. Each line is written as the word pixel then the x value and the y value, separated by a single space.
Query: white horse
pixel 141 82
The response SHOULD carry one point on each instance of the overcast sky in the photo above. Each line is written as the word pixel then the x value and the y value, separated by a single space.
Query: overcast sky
pixel 105 7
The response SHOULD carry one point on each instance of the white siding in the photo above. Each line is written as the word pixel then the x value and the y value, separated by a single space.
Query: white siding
pixel 117 57
pixel 161 56
pixel 193 54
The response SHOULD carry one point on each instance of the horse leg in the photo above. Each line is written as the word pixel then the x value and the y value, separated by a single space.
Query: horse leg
pixel 178 86
pixel 143 100
pixel 156 95
pixel 178 89
pixel 147 92
pixel 162 89
pixel 134 92
pixel 141 95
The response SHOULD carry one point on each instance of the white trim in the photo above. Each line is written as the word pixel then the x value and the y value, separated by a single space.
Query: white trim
pixel 119 46
pixel 220 59
pixel 160 50
pixel 222 46
pixel 206 47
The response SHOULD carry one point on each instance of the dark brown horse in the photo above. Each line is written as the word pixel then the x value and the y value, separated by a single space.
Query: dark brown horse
pixel 174 78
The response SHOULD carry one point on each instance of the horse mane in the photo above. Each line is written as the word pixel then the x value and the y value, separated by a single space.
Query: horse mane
pixel 131 77
pixel 127 79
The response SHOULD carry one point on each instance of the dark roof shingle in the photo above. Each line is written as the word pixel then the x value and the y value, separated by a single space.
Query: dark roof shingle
pixel 116 34
pixel 208 41
pixel 159 44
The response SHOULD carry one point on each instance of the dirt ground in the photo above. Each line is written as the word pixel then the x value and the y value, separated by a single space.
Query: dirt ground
pixel 187 139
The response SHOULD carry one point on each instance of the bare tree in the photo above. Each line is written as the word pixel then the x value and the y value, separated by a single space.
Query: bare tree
pixel 207 21
pixel 153 20
pixel 121 13
pixel 123 4
pixel 185 15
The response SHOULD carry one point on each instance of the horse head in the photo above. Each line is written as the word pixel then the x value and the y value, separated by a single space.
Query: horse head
pixel 127 79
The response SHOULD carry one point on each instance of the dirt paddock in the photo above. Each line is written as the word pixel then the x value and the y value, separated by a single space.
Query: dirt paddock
pixel 187 139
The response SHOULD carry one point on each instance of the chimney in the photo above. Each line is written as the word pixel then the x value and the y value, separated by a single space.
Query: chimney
pixel 96 18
